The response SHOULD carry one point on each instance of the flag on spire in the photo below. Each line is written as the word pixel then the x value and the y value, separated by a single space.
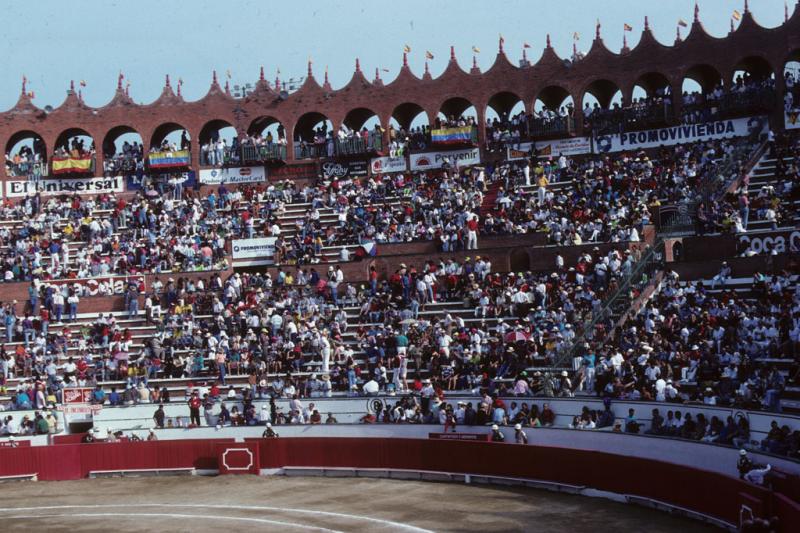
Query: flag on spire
pixel 428 54
pixel 736 15
pixel 525 45
pixel 627 27
pixel 407 49
pixel 576 36
pixel 83 83
pixel 476 49
pixel 682 23
pixel 228 73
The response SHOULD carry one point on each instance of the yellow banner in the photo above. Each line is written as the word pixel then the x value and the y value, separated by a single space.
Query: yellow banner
pixel 69 164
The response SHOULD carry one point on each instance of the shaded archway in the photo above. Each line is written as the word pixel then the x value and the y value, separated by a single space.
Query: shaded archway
pixel 74 153
pixel 122 150
pixel 604 93
pixel 408 128
pixel 552 98
pixel 652 84
pixel 754 68
pixel 455 110
pixel 269 128
pixel 409 115
pixel 74 139
pixel 219 143
pixel 651 102
pixel 361 132
pixel 503 106
pixel 26 155
pixel 701 78
pixel 553 112
pixel 216 130
pixel 169 136
pixel 313 136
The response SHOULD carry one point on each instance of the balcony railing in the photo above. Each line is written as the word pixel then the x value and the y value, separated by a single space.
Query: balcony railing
pixel 551 127
pixel 35 170
pixel 359 145
pixel 311 150
pixel 263 153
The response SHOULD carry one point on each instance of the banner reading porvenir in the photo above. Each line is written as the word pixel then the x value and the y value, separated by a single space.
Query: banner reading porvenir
pixel 17 189
pixel 435 160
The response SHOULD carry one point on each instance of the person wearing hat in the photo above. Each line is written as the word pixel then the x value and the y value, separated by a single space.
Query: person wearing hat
pixel 194 409
pixel 497 435
pixel 269 433
pixel 519 435
pixel 91 436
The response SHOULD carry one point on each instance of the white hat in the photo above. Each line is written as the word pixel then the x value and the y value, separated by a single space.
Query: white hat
pixel 564 373
pixel 269 425
pixel 518 427
pixel 742 452
pixel 494 427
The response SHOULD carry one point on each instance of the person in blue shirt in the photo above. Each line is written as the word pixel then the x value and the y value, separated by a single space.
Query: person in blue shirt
pixel 114 398
pixel 98 396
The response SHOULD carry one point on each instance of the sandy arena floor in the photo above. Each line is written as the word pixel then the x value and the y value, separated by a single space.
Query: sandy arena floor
pixel 250 503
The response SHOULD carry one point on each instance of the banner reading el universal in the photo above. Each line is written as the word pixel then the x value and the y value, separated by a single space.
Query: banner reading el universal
pixel 17 189
pixel 689 133
pixel 430 160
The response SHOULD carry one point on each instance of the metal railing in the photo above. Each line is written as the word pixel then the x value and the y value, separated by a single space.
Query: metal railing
pixel 359 145
pixel 265 152
pixel 304 150
pixel 549 127
pixel 642 272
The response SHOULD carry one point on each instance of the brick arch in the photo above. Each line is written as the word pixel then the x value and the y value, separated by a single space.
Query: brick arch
pixel 455 106
pixel 406 112
pixel 28 134
pixel 210 130
pixel 651 81
pixel 603 89
pixel 63 138
pixel 109 139
pixel 305 124
pixel 756 65
pixel 707 76
pixel 552 96
pixel 504 102
pixel 164 129
pixel 260 123
pixel 356 118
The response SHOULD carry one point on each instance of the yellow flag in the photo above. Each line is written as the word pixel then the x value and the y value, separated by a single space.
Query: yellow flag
pixel 476 49
pixel 407 49
pixel 736 15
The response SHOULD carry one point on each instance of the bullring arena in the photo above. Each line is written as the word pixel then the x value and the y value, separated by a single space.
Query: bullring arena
pixel 551 287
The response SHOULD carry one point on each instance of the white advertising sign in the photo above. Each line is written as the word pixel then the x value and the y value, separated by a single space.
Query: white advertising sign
pixel 568 147
pixel 387 165
pixel 55 187
pixel 460 158
pixel 689 133
pixel 215 176
pixel 258 248
pixel 781 242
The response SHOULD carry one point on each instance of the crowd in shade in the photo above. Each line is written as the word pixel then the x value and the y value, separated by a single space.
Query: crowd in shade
pixel 510 130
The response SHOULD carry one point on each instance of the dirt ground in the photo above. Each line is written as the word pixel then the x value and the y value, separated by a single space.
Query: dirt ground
pixel 252 503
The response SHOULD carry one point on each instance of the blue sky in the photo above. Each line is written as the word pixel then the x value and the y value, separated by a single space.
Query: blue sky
pixel 92 40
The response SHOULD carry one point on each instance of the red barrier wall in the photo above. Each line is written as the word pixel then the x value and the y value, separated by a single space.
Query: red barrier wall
pixel 706 492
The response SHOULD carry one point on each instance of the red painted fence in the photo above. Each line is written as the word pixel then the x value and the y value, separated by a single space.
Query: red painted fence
pixel 706 492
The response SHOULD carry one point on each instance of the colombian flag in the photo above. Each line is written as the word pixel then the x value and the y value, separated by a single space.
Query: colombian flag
pixel 70 164
pixel 180 158
pixel 452 135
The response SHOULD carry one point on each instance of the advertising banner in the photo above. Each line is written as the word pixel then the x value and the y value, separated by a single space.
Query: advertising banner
pixel 333 169
pixel 17 189
pixel 387 165
pixel 257 248
pixel 780 241
pixel 216 176
pixel 103 285
pixel 77 395
pixel 689 133
pixel 460 158
pixel 569 147
pixel 296 171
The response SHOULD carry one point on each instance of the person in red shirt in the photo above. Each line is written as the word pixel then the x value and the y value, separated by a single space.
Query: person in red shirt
pixel 194 409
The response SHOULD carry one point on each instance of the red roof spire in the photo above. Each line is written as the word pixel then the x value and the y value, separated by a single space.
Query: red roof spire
pixel 785 11
pixel 474 61
pixel 405 59
pixel 167 84
pixel 426 68
pixel 326 77
pixel 358 65
pixel 574 49
pixel 696 12
pixel 746 6
pixel 624 41
pixel 377 74
pixel 732 28
pixel 24 85
pixel 678 35
pixel 500 45
pixel 548 41
pixel 277 83
pixel 227 88
pixel 452 53
pixel 119 81
pixel 214 77
pixel 310 74
pixel 646 23
pixel 597 30
pixel 524 55
pixel 72 85
pixel 261 74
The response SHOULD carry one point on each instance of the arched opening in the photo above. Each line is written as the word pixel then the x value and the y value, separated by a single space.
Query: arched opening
pixel 602 106
pixel 219 143
pixel 506 121
pixel 791 97
pixel 553 112
pixel 360 133
pixel 651 103
pixel 752 88
pixel 456 112
pixel 26 155
pixel 519 261
pixel 702 79
pixel 266 141
pixel 74 153
pixel 702 88
pixel 122 151
pixel 170 137
pixel 409 128
pixel 313 136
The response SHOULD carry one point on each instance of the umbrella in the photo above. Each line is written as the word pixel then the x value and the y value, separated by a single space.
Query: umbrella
pixel 517 336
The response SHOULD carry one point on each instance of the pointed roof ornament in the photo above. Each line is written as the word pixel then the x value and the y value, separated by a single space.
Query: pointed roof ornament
pixel 597 30
pixel 214 77
pixel 261 74
pixel 548 42
pixel 325 82
pixel 72 85
pixel 167 83
pixel 475 69
pixel 732 28
pixel 277 82
pixel 678 35
pixel 746 6
pixel 785 11
pixel 646 23
pixel 452 53
pixel 574 50
pixel 24 85
pixel 427 71
pixel 500 45
pixel 80 95
pixel 377 74
pixel 524 56
pixel 227 88
pixel 180 84
pixel 127 89
pixel 625 43
pixel 310 73
pixel 358 65
pixel 696 12
pixel 405 59
pixel 119 80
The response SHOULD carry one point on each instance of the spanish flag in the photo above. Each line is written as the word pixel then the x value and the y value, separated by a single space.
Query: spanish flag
pixel 72 163
pixel 736 15
pixel 627 27
pixel 428 54
pixel 407 49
